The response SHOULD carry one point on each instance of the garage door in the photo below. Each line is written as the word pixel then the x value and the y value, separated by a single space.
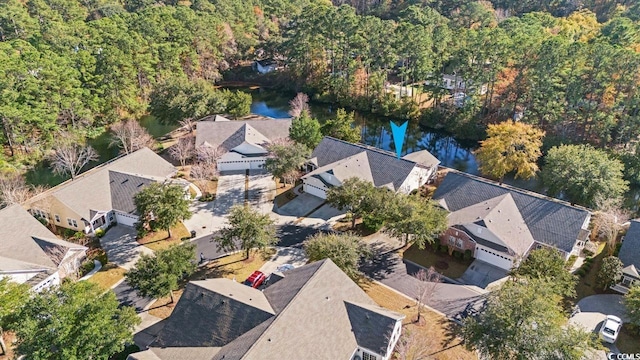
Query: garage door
pixel 315 191
pixel 233 166
pixel 126 219
pixel 492 257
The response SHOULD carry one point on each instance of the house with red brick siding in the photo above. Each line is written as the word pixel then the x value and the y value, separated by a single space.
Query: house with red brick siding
pixel 501 224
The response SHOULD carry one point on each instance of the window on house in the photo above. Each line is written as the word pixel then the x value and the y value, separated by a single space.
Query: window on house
pixel 459 243
pixel 69 222
pixel 75 224
pixel 57 218
pixel 367 356
pixel 452 240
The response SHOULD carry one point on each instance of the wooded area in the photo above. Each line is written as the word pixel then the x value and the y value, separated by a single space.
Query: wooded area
pixel 572 69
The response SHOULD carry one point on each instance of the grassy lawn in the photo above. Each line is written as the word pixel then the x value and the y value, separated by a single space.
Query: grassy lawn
pixel 158 240
pixel 435 332
pixel 444 263
pixel 587 285
pixel 628 341
pixel 108 276
pixel 231 267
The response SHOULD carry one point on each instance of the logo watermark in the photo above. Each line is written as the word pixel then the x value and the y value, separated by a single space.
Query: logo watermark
pixel 623 356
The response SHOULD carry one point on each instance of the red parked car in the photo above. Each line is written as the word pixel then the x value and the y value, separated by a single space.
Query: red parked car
pixel 255 280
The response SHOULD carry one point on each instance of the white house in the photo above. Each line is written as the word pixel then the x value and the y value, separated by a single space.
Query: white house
pixel 334 161
pixel 457 84
pixel 265 66
pixel 244 142
pixel 31 254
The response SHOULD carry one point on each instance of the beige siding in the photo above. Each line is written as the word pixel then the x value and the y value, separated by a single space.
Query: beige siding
pixel 55 207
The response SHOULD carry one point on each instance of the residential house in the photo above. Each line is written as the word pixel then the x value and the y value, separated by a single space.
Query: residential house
pixel 265 66
pixel 457 84
pixel 104 195
pixel 245 142
pixel 630 256
pixel 315 311
pixel 500 224
pixel 30 253
pixel 334 161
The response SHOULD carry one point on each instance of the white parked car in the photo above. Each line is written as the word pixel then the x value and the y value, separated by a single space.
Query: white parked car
pixel 610 329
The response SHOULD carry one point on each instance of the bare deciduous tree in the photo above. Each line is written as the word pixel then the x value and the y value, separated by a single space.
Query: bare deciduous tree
pixel 183 150
pixel 429 281
pixel 69 158
pixel 14 190
pixel 129 136
pixel 188 124
pixel 201 173
pixel 412 346
pixel 208 154
pixel 299 105
pixel 608 220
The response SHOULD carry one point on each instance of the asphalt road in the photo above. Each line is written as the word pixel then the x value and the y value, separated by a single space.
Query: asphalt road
pixel 127 296
pixel 289 235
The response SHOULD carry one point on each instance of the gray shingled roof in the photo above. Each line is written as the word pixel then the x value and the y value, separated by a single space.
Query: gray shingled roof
pixel 550 221
pixel 26 244
pixel 91 190
pixel 213 318
pixel 230 134
pixel 371 325
pixel 384 166
pixel 123 188
pixel 318 310
pixel 630 250
pixel 501 217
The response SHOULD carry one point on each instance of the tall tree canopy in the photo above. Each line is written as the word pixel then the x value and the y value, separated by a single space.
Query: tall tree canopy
pixel 524 319
pixel 162 206
pixel 510 146
pixel 247 229
pixel 159 275
pixel 583 174
pixel 345 250
pixel 77 320
pixel 547 264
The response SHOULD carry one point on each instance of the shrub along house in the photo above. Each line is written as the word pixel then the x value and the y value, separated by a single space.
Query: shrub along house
pixel 313 312
pixel 244 142
pixel 104 195
pixel 630 256
pixel 334 161
pixel 31 254
pixel 500 224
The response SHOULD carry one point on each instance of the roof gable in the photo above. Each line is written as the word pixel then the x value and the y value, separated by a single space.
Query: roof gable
pixel 123 187
pixel 28 243
pixel 501 217
pixel 92 189
pixel 630 250
pixel 215 318
pixel 230 134
pixel 550 221
pixel 385 168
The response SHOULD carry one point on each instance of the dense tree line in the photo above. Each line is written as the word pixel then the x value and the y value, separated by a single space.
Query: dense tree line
pixel 80 66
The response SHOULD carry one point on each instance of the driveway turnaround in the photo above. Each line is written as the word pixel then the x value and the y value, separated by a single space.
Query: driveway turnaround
pixel 127 296
pixel 284 255
pixel 211 216
pixel 595 308
pixel 481 274
pixel 121 246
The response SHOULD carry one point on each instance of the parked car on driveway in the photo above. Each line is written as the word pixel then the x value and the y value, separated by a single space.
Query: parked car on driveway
pixel 610 329
pixel 255 280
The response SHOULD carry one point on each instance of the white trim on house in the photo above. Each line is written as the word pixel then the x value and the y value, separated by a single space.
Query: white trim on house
pixel 494 257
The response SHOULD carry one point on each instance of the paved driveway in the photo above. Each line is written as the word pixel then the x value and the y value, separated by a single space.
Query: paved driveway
pixel 211 216
pixel 450 299
pixel 121 246
pixel 261 191
pixel 284 255
pixel 300 206
pixel 594 310
pixel 481 274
